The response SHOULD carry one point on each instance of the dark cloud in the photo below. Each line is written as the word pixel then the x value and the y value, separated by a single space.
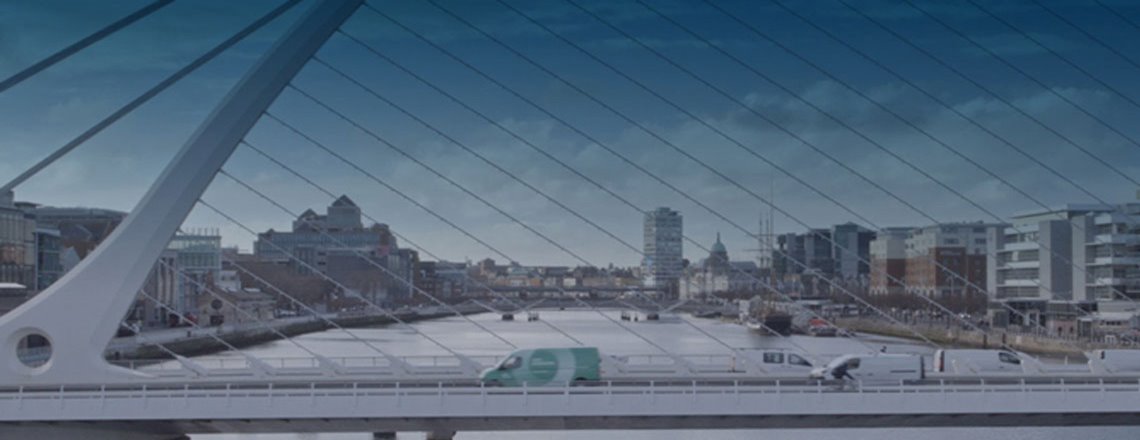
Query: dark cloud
pixel 43 115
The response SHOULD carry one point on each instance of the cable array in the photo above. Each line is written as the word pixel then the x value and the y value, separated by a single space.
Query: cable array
pixel 594 140
pixel 704 164
pixel 646 130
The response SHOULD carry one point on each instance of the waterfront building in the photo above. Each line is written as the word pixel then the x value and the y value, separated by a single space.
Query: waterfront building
pixel 443 279
pixel 1107 246
pixel 716 274
pixel 851 251
pixel 1075 252
pixel 198 254
pixel 80 229
pixel 188 272
pixel 811 253
pixel 947 260
pixel 366 260
pixel 663 260
pixel 49 266
pixel 17 247
pixel 888 261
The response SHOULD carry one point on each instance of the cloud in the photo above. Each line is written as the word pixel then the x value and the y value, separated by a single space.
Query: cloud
pixel 144 142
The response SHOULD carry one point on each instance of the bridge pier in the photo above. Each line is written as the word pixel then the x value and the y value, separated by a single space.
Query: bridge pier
pixel 440 435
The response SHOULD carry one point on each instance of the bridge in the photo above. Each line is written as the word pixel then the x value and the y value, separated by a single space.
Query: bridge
pixel 56 381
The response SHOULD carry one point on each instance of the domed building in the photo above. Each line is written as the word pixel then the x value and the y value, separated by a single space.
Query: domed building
pixel 717 274
pixel 717 261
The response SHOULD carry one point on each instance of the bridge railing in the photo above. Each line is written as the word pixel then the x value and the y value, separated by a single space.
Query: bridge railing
pixel 644 389
pixel 232 364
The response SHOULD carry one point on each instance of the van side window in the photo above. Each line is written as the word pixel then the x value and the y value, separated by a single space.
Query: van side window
pixel 795 359
pixel 773 358
pixel 512 363
pixel 853 364
pixel 1009 358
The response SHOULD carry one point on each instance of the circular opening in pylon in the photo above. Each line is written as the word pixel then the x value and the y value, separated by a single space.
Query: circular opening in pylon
pixel 34 350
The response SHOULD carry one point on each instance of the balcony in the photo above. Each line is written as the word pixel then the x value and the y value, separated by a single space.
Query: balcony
pixel 1124 239
pixel 1019 283
pixel 1019 265
pixel 1123 259
pixel 1116 282
pixel 1020 246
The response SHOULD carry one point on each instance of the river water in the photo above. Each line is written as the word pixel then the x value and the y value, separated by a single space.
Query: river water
pixel 594 330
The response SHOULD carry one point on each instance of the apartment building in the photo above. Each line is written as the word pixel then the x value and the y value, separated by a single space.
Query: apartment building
pixel 888 261
pixel 1038 254
pixel 947 259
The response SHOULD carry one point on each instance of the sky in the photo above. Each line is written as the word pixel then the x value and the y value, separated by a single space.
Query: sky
pixel 882 113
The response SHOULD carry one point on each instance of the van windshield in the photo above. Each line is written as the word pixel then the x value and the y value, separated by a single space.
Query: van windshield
pixel 842 361
pixel 794 359
pixel 511 363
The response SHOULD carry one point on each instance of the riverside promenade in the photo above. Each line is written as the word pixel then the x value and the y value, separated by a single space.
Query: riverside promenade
pixel 949 333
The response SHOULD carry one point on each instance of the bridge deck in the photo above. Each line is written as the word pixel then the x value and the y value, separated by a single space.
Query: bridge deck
pixel 377 406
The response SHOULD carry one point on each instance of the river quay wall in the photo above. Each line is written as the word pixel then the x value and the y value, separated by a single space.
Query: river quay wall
pixel 950 335
pixel 203 341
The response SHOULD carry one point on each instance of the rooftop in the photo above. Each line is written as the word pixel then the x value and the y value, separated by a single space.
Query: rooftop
pixel 1068 207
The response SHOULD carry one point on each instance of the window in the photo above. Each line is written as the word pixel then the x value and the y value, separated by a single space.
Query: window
pixel 511 363
pixel 1009 358
pixel 795 359
pixel 773 358
pixel 853 364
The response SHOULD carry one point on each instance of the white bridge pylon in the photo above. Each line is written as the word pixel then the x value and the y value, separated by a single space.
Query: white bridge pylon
pixel 79 314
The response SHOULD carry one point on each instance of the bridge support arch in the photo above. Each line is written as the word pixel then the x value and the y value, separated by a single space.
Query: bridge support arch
pixel 79 314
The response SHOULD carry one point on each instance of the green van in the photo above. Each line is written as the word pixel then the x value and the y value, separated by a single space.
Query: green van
pixel 545 367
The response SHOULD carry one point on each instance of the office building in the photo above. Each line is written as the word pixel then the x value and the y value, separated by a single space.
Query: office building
pixel 366 260
pixel 80 229
pixel 851 250
pixel 811 253
pixel 663 249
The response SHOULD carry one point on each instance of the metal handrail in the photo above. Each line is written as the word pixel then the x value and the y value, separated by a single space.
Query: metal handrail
pixel 656 387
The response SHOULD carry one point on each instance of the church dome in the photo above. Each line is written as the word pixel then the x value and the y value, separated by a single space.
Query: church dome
pixel 718 247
